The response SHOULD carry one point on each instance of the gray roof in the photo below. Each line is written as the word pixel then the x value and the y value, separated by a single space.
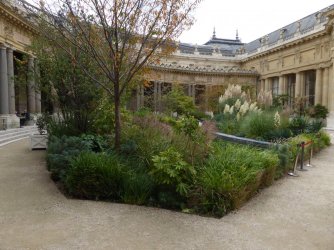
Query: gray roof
pixel 305 24
pixel 229 47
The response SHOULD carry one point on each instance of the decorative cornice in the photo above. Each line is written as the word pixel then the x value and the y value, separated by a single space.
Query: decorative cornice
pixel 226 70
pixel 14 16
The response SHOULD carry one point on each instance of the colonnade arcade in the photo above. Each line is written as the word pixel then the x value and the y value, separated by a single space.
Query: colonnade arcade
pixel 151 95
pixel 313 85
pixel 15 98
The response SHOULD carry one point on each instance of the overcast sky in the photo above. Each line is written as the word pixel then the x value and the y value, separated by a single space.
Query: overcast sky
pixel 253 18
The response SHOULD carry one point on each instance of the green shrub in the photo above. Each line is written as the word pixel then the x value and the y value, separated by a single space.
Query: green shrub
pixel 97 143
pixel 61 151
pixel 324 138
pixel 170 169
pixel 318 111
pixel 137 188
pixel 314 126
pixel 95 176
pixel 177 101
pixel 67 124
pixel 228 124
pixel 285 159
pixel 146 137
pixel 298 124
pixel 231 175
pixel 191 140
pixel 258 125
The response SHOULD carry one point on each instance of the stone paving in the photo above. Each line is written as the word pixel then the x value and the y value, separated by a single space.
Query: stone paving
pixel 294 213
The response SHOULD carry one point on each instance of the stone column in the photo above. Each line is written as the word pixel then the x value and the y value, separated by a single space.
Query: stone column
pixel 208 90
pixel 281 85
pixel 155 95
pixel 331 91
pixel 190 89
pixel 263 85
pixel 159 95
pixel 4 100
pixel 138 97
pixel 318 86
pixel 142 95
pixel 298 85
pixel 11 86
pixel 267 85
pixel 38 90
pixel 324 98
pixel 31 86
pixel 193 94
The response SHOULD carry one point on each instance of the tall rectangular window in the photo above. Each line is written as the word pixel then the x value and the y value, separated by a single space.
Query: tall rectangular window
pixel 274 86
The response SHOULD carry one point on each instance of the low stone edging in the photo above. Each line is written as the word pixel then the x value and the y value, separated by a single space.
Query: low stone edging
pixel 242 140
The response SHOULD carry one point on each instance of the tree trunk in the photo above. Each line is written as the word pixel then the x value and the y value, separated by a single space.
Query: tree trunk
pixel 117 117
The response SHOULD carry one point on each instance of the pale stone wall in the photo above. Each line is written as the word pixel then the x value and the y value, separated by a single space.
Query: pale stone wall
pixel 15 36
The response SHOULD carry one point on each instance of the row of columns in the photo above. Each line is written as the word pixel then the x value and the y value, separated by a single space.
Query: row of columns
pixel 157 94
pixel 7 85
pixel 323 86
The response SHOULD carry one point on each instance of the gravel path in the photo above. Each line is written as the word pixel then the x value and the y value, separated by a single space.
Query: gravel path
pixel 294 213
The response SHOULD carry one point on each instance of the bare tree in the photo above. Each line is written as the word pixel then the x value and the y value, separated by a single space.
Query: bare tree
pixel 120 36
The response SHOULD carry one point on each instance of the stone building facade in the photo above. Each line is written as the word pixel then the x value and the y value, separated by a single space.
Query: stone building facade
pixel 15 38
pixel 296 60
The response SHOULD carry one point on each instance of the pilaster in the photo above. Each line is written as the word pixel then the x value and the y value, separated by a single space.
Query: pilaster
pixel 155 95
pixel 194 92
pixel 262 87
pixel 31 86
pixel 267 85
pixel 281 85
pixel 11 86
pixel 38 90
pixel 4 100
pixel 298 85
pixel 324 98
pixel 318 86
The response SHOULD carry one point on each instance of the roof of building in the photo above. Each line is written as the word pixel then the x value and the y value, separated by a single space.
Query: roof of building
pixel 287 32
pixel 229 47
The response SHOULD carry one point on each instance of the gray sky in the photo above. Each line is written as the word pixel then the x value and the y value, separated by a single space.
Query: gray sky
pixel 253 18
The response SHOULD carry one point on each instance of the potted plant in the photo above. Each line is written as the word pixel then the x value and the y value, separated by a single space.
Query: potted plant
pixel 40 141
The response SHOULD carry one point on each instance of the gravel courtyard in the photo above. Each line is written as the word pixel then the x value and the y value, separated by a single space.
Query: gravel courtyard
pixel 294 213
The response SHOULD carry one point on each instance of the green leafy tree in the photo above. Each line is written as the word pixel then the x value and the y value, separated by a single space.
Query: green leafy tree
pixel 64 84
pixel 120 37
pixel 177 101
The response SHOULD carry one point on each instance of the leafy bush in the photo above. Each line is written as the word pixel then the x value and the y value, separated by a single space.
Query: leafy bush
pixel 258 125
pixel 170 169
pixel 137 188
pixel 320 140
pixel 177 101
pixel 147 136
pixel 314 126
pixel 318 111
pixel 191 140
pixel 231 174
pixel 298 124
pixel 285 159
pixel 61 151
pixel 95 176
pixel 58 126
pixel 42 122
pixel 228 124
pixel 324 138
pixel 96 143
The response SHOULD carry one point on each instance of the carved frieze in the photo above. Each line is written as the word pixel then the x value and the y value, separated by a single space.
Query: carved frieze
pixel 8 29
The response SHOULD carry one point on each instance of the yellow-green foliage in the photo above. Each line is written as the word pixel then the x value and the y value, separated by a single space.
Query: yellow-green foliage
pixel 232 174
